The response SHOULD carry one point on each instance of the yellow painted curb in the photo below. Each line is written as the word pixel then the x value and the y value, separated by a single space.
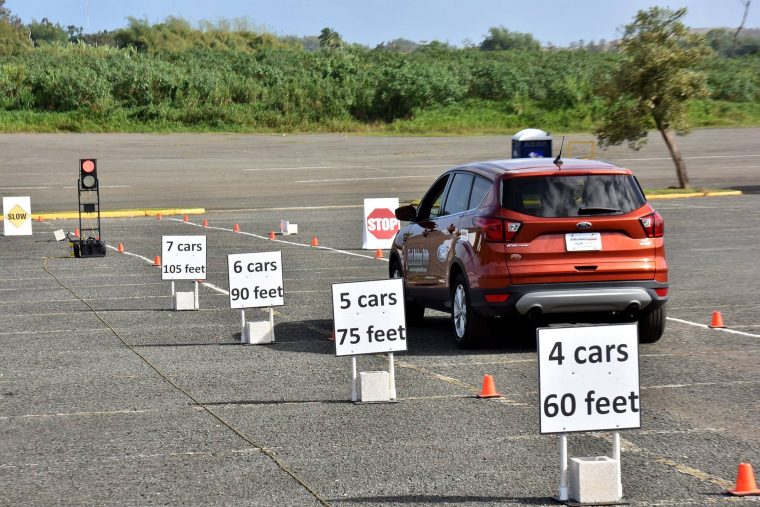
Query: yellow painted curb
pixel 121 213
pixel 719 193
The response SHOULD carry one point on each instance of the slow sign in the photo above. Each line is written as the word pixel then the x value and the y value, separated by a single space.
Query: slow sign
pixel 589 378
pixel 17 216
pixel 184 258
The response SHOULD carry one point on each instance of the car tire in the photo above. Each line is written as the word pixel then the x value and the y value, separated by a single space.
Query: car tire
pixel 414 312
pixel 469 328
pixel 652 325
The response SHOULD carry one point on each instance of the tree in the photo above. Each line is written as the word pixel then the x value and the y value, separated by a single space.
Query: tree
pixel 45 32
pixel 501 39
pixel 330 39
pixel 746 4
pixel 14 36
pixel 653 82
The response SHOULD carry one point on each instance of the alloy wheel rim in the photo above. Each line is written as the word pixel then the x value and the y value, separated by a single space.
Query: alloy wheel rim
pixel 460 311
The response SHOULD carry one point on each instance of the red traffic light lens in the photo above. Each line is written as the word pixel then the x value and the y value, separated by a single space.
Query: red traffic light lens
pixel 88 166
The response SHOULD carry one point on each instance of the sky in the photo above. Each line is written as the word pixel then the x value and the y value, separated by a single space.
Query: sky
pixel 371 22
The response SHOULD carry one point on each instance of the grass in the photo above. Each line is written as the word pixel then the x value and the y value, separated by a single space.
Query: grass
pixel 470 117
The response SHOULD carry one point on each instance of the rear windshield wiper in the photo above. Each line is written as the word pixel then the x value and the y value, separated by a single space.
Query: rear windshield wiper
pixel 596 210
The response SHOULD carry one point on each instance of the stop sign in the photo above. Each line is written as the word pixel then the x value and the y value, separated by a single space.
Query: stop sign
pixel 382 223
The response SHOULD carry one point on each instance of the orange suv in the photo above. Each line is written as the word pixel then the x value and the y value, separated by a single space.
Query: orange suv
pixel 500 243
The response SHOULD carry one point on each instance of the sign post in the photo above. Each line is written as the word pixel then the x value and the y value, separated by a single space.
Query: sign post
pixel 588 381
pixel 369 318
pixel 184 258
pixel 17 216
pixel 256 282
pixel 380 223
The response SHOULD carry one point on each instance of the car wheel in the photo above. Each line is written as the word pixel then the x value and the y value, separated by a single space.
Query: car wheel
pixel 652 325
pixel 414 312
pixel 470 329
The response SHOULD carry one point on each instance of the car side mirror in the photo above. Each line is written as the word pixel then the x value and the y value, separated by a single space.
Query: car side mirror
pixel 406 213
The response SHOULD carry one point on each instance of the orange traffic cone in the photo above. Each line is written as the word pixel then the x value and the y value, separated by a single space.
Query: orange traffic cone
pixel 271 234
pixel 489 390
pixel 120 248
pixel 76 232
pixel 157 260
pixel 379 253
pixel 158 216
pixel 717 320
pixel 745 482
pixel 236 228
pixel 185 219
pixel 39 218
pixel 205 223
pixel 314 241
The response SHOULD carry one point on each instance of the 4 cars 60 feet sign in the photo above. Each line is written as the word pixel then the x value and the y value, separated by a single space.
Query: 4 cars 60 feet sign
pixel 589 378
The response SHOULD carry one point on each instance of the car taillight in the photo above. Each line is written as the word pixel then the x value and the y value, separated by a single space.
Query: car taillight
pixel 493 228
pixel 662 292
pixel 497 229
pixel 653 225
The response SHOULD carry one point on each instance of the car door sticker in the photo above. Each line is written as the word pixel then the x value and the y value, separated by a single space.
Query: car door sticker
pixel 443 251
pixel 417 260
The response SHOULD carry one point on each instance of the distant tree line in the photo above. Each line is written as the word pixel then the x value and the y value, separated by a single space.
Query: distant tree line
pixel 237 73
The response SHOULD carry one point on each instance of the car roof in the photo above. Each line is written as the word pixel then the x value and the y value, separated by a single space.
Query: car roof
pixel 530 165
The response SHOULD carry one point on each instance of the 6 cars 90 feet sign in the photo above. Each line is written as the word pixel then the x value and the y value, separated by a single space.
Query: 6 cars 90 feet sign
pixel 589 378
pixel 255 280
pixel 369 317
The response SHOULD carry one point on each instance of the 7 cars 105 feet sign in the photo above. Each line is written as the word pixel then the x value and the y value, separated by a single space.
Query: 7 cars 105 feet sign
pixel 183 258
pixel 588 378
pixel 369 317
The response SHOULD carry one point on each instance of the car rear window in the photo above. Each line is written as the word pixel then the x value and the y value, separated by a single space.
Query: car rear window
pixel 572 196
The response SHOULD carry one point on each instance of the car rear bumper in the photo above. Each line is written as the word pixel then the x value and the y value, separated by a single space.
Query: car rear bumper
pixel 548 299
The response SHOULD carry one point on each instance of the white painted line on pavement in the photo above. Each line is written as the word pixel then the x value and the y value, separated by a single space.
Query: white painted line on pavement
pixel 349 166
pixel 363 179
pixel 704 326
pixel 695 384
pixel 290 208
pixel 55 331
pixel 104 186
pixel 296 168
pixel 279 240
pixel 75 414
pixel 132 254
pixel 690 158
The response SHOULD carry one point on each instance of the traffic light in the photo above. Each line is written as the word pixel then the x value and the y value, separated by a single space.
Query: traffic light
pixel 88 173
pixel 89 243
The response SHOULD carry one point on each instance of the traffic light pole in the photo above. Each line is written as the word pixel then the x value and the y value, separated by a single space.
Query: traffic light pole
pixel 89 243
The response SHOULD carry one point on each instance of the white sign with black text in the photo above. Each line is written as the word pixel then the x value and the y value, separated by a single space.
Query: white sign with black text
pixel 369 317
pixel 588 378
pixel 183 258
pixel 256 280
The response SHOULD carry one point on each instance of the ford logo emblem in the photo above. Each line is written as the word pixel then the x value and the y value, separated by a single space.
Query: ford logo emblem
pixel 583 225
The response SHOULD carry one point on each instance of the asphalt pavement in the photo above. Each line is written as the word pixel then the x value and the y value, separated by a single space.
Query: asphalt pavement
pixel 234 171
pixel 108 397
